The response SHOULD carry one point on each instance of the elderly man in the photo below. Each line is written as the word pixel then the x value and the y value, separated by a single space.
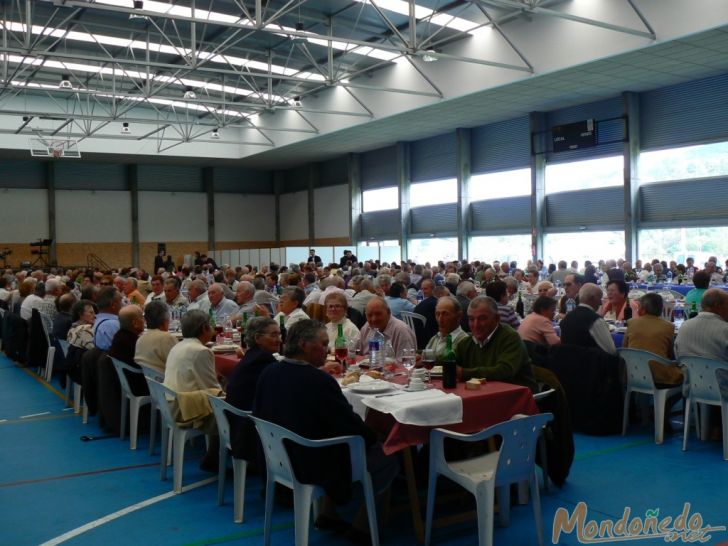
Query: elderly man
pixel 221 306
pixel 123 346
pixel 448 314
pixel 244 295
pixel 583 326
pixel 706 334
pixel 107 320
pixel 493 350
pixel 191 367
pixel 332 283
pixel 63 320
pixel 290 306
pixel 34 300
pixel 426 308
pixel 650 333
pixel 364 288
pixel 157 293
pixel 197 294
pixel 153 347
pixel 132 293
pixel 395 331
pixel 48 308
pixel 318 411
pixel 172 296
pixel 465 292
pixel 572 284
pixel 560 274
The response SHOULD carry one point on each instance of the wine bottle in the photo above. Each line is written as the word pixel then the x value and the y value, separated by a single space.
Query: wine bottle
pixel 283 329
pixel 449 366
pixel 519 306
pixel 627 311
pixel 341 349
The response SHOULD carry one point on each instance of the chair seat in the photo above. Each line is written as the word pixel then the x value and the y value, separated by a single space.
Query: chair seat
pixel 476 469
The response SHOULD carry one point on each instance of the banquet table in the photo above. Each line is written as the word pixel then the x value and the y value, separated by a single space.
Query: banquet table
pixel 225 363
pixel 682 288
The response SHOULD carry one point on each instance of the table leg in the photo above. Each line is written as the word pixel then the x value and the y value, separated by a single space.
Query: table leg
pixel 409 473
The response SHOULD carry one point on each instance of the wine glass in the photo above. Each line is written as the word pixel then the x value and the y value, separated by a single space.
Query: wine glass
pixel 408 357
pixel 428 358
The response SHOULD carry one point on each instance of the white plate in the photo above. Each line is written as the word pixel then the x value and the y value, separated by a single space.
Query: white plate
pixel 407 389
pixel 370 387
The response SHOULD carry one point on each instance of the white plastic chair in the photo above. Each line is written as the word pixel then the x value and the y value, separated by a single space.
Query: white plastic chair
pixel 409 319
pixel 704 390
pixel 514 462
pixel 133 402
pixel 639 379
pixel 721 376
pixel 179 434
pixel 240 466
pixel 279 470
pixel 159 378
pixel 64 345
pixel 542 441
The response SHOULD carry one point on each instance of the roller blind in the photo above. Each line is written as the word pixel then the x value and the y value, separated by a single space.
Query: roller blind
pixel 433 158
pixel 602 207
pixel 495 215
pixel 379 168
pixel 181 178
pixel 437 219
pixel 689 202
pixel 90 176
pixel 22 174
pixel 380 225
pixel 237 180
pixel 501 146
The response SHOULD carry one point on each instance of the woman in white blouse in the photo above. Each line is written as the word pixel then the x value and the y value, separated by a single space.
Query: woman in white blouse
pixel 336 305
pixel 81 334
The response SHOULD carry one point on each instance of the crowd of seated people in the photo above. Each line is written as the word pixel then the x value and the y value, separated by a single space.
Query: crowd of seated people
pixel 488 310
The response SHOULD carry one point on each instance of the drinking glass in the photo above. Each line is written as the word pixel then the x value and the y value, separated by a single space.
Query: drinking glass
pixel 428 358
pixel 352 350
pixel 408 357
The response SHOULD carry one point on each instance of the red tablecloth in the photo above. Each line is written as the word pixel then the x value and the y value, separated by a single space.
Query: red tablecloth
pixel 493 403
pixel 225 363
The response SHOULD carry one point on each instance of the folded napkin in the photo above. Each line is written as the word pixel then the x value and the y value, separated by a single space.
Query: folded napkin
pixel 430 407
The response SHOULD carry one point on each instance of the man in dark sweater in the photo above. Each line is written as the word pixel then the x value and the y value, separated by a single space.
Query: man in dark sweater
pixel 299 396
pixel 494 351
pixel 426 308
pixel 123 346
pixel 583 326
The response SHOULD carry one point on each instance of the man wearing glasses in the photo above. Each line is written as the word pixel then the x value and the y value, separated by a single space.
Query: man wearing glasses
pixel 572 285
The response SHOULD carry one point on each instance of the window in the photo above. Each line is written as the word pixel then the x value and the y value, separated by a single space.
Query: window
pixel 500 184
pixel 384 251
pixel 583 245
pixel 683 163
pixel 383 199
pixel 433 249
pixel 680 243
pixel 504 248
pixel 433 193
pixel 585 175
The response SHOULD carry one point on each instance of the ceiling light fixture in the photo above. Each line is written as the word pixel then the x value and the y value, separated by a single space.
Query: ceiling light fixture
pixel 430 56
pixel 65 82
pixel 138 4
pixel 297 102
pixel 125 128
pixel 299 39
pixel 190 93
pixel 215 134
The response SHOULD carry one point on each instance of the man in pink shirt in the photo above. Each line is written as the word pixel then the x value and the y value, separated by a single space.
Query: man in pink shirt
pixel 538 326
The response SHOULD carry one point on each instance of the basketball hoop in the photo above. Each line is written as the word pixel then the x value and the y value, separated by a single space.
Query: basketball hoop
pixel 56 154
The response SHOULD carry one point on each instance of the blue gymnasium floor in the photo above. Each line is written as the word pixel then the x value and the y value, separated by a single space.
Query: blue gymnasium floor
pixel 55 489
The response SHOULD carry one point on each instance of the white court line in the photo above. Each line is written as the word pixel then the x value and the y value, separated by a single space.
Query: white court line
pixel 35 415
pixel 120 513
pixel 3 420
pixel 67 409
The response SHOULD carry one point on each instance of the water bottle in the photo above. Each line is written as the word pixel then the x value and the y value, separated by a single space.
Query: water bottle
pixel 669 277
pixel 376 346
pixel 570 305
pixel 420 296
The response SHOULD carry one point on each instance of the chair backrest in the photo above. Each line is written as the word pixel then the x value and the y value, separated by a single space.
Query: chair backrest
pixel 703 383
pixel 518 449
pixel 637 363
pixel 64 345
pixel 219 407
pixel 668 306
pixel 152 373
pixel 278 463
pixel 409 319
pixel 120 366
pixel 543 394
pixel 679 296
pixel 316 311
pixel 159 394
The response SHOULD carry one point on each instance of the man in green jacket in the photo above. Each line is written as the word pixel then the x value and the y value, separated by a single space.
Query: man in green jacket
pixel 494 351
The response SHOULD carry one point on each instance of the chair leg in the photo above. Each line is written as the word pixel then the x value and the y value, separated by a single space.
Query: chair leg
pixel 152 427
pixel 133 423
pixel 164 455
pixel 69 388
pixel 76 398
pixel 484 500
pixel 270 487
pixel 371 509
pixel 504 503
pixel 536 500
pixel 544 460
pixel 221 464
pixel 240 470
pixel 724 419
pixel 431 490
pixel 625 412
pixel 178 459
pixel 124 409
pixel 686 424
pixel 84 411
pixel 659 399
pixel 302 513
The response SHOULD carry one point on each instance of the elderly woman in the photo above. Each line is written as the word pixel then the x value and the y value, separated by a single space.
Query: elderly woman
pixel 538 327
pixel 336 304
pixel 83 315
pixel 546 288
pixel 263 338
pixel 531 282
pixel 614 307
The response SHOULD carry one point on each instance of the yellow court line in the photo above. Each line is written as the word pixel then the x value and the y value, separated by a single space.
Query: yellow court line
pixel 43 382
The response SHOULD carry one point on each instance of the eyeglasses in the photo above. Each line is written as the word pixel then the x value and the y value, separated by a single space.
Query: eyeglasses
pixel 335 306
